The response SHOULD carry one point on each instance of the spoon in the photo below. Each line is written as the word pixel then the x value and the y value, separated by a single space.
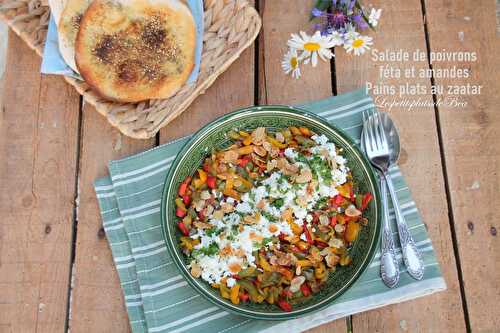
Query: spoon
pixel 411 255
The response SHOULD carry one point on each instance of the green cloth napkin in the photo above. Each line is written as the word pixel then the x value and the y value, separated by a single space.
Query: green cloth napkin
pixel 157 297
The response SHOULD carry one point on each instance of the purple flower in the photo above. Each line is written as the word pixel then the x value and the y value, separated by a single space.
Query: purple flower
pixel 338 19
pixel 334 3
pixel 351 5
pixel 317 13
pixel 359 21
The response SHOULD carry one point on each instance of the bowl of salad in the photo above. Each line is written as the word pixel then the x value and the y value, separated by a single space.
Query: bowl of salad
pixel 271 212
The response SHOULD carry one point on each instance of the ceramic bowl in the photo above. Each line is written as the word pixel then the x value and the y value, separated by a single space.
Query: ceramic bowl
pixel 214 135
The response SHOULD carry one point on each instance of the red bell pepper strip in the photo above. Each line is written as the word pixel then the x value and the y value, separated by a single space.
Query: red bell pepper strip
pixel 244 297
pixel 286 293
pixel 366 200
pixel 320 244
pixel 284 305
pixel 211 182
pixel 206 166
pixel 183 228
pixel 236 276
pixel 351 195
pixel 307 233
pixel 333 220
pixel 244 160
pixel 186 199
pixel 306 291
pixel 179 212
pixel 183 187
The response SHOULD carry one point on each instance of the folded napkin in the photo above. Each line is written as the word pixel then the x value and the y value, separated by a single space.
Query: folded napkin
pixel 157 297
pixel 53 62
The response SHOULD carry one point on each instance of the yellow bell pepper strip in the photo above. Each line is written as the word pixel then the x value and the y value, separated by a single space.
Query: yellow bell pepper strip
pixel 352 231
pixel 245 150
pixel 304 263
pixel 234 294
pixel 244 134
pixel 305 131
pixel 247 141
pixel 203 175
pixel 320 271
pixel 198 183
pixel 265 265
pixel 276 143
pixel 224 291
pixel 295 130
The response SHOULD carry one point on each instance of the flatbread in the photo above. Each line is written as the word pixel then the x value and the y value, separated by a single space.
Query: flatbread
pixel 68 27
pixel 56 8
pixel 133 50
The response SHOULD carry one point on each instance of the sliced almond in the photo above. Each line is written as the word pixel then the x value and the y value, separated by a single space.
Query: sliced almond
pixel 227 207
pixel 352 211
pixel 271 164
pixel 195 269
pixel 199 205
pixel 324 220
pixel 258 136
pixel 205 195
pixel 230 156
pixel 267 146
pixel 305 176
pixel 202 225
pixel 332 260
pixel 259 150
pixel 218 214
pixel 296 283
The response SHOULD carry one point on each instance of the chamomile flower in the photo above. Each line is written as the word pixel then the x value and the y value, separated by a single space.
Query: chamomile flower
pixel 290 63
pixel 358 45
pixel 374 16
pixel 312 46
pixel 350 32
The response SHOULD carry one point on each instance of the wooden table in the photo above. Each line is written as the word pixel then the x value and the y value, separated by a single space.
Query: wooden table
pixel 56 270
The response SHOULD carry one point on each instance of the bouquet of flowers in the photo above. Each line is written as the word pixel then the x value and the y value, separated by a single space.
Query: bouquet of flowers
pixel 337 23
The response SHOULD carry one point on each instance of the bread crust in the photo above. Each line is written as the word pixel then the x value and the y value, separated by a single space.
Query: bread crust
pixel 134 50
pixel 68 26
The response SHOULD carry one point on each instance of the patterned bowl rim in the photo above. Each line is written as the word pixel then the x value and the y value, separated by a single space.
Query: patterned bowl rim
pixel 298 114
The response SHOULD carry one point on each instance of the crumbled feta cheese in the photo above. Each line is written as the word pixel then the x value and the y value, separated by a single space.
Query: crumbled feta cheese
pixel 291 154
pixel 230 282
pixel 320 139
pixel 244 207
pixel 309 218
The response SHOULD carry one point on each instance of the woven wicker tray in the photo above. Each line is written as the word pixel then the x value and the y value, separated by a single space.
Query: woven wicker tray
pixel 230 27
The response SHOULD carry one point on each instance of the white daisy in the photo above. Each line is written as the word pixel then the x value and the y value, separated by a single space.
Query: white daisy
pixel 290 63
pixel 337 38
pixel 312 46
pixel 359 44
pixel 350 32
pixel 374 16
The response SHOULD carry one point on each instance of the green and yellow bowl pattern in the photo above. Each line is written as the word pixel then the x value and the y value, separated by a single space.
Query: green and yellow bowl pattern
pixel 214 135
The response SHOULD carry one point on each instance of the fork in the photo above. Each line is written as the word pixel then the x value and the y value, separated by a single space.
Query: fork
pixel 389 264
pixel 378 151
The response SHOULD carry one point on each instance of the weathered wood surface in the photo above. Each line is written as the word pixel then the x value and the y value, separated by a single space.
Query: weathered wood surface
pixel 48 156
pixel 471 150
pixel 97 301
pixel 38 141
